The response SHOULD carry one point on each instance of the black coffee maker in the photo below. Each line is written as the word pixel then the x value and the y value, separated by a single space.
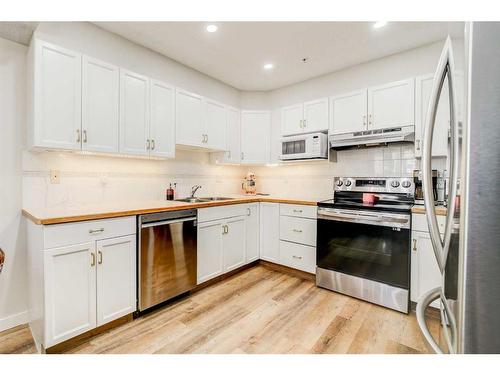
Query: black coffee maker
pixel 419 192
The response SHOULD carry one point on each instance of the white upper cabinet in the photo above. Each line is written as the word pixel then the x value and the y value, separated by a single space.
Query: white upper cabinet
pixel 255 137
pixel 348 112
pixel 292 119
pixel 56 97
pixel 305 117
pixel 232 155
pixel 440 137
pixel 316 116
pixel 100 105
pixel 134 113
pixel 392 104
pixel 162 121
pixel 215 125
pixel 189 117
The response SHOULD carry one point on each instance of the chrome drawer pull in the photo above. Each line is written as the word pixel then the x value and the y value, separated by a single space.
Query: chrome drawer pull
pixel 297 230
pixel 92 231
pixel 297 211
pixel 296 257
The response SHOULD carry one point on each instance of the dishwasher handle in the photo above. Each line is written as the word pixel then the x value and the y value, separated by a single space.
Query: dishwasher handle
pixel 167 222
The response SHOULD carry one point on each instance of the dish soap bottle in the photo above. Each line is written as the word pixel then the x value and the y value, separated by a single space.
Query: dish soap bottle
pixel 170 193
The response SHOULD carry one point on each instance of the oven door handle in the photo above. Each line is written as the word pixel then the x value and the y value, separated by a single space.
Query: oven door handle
pixel 167 222
pixel 336 215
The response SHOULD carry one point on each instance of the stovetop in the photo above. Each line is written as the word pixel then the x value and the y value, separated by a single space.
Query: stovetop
pixel 393 207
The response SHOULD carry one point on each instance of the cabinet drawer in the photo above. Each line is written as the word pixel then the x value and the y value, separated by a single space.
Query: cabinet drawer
pixel 297 229
pixel 85 231
pixel 419 223
pixel 297 256
pixel 298 210
pixel 222 212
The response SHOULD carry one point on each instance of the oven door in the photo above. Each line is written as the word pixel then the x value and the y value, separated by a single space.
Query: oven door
pixel 366 244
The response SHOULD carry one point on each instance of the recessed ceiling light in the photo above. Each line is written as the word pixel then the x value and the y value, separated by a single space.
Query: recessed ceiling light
pixel 212 28
pixel 379 24
pixel 268 66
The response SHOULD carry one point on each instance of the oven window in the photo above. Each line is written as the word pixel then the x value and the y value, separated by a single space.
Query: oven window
pixel 369 251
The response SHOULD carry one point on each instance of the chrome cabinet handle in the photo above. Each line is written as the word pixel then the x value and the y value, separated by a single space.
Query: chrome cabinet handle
pixel 418 144
pixel 296 257
pixel 305 123
pixel 148 147
pixel 99 261
pixel 153 144
pixel 242 156
pixel 249 212
pixel 225 229
pixel 297 230
pixel 364 120
pixel 78 139
pixel 370 119
pixel 414 244
pixel 92 262
pixel 92 231
pixel 445 68
pixel 301 124
pixel 297 211
pixel 84 136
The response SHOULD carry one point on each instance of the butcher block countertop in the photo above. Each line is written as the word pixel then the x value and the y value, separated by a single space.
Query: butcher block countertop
pixel 104 211
pixel 440 210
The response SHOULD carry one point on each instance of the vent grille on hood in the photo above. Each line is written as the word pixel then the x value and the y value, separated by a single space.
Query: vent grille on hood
pixel 372 137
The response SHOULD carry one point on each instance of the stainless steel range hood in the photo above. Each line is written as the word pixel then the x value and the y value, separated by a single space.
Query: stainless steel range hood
pixel 372 137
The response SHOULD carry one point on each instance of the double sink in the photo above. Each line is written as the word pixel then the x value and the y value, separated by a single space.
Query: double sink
pixel 202 200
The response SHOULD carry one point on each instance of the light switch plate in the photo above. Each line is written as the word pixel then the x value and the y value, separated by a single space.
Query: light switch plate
pixel 55 176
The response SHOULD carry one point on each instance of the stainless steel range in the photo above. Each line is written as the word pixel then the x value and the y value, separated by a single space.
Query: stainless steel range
pixel 363 240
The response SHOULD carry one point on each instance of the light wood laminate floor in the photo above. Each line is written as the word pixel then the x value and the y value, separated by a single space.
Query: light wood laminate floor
pixel 259 310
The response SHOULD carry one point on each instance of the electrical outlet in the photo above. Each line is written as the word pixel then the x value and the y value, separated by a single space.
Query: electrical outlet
pixel 55 176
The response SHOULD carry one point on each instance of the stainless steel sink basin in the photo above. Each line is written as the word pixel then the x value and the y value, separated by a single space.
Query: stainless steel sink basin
pixel 192 200
pixel 203 199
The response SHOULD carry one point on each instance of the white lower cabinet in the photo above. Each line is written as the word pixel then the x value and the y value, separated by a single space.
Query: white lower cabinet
pixel 116 279
pixel 209 258
pixel 234 243
pixel 81 276
pixel 70 292
pixel 270 232
pixel 252 233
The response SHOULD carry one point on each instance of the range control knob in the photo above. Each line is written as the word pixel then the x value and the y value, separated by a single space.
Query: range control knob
pixel 348 183
pixel 406 184
pixel 339 183
pixel 395 184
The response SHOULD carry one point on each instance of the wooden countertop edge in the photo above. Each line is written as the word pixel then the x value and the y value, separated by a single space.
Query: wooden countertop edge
pixel 440 211
pixel 109 215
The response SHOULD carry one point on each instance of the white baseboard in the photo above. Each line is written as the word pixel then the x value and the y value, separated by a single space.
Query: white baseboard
pixel 13 320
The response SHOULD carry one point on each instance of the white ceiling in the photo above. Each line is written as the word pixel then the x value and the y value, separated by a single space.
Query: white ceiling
pixel 236 53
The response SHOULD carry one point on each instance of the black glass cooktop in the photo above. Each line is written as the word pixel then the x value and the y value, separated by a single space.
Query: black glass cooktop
pixel 383 202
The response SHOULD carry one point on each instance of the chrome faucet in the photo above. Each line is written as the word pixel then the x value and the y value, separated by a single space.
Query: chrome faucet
pixel 194 189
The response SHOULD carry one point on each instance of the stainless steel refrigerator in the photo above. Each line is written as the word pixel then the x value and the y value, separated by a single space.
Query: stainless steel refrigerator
pixel 468 253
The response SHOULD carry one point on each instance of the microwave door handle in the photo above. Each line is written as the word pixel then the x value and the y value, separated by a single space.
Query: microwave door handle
pixel 437 86
pixel 422 304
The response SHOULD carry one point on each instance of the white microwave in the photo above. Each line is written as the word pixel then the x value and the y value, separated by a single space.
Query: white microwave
pixel 304 146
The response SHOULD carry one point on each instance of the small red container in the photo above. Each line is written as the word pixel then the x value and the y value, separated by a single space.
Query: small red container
pixel 369 198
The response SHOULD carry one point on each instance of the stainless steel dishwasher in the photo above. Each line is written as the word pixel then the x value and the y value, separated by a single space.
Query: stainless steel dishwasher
pixel 167 256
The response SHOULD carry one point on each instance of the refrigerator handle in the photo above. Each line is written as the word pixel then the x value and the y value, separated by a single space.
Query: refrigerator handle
pixel 445 68
pixel 422 305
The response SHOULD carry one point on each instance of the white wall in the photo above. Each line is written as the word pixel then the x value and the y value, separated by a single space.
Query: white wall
pixel 315 179
pixel 13 280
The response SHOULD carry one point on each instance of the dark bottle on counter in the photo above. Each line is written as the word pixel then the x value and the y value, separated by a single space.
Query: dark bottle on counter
pixel 170 193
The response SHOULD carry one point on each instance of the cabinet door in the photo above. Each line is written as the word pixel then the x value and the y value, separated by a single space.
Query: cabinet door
pixel 316 115
pixel 210 250
pixel 57 97
pixel 162 125
pixel 270 232
pixel 348 112
pixel 425 273
pixel 134 113
pixel 255 137
pixel 234 240
pixel 215 125
pixel 188 119
pixel 253 233
pixel 70 291
pixel 292 119
pixel 392 104
pixel 116 275
pixel 442 124
pixel 100 105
